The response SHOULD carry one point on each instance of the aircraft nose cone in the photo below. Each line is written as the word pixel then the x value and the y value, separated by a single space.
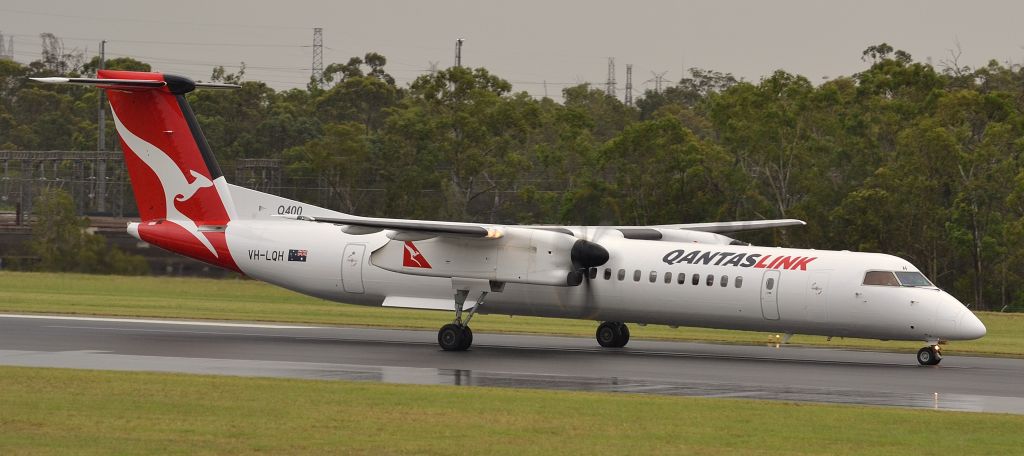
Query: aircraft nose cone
pixel 970 327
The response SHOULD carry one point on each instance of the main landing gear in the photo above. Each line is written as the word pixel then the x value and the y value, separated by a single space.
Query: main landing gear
pixel 612 334
pixel 456 336
pixel 930 355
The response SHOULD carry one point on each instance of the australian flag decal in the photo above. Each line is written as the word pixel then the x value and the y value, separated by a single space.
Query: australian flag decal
pixel 297 255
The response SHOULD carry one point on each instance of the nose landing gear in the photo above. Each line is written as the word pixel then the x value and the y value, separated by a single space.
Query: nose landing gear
pixel 930 355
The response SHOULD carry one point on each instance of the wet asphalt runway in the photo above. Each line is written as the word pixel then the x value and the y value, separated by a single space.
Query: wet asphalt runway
pixel 564 363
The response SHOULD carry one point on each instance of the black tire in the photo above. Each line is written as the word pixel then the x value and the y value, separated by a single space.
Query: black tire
pixel 467 338
pixel 623 335
pixel 928 356
pixel 608 334
pixel 451 337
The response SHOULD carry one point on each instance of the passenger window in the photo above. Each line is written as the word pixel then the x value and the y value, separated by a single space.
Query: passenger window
pixel 696 279
pixel 682 278
pixel 768 285
pixel 593 273
pixel 636 275
pixel 622 274
pixel 739 281
pixel 711 279
pixel 725 281
pixel 654 276
pixel 607 273
pixel 668 277
pixel 884 278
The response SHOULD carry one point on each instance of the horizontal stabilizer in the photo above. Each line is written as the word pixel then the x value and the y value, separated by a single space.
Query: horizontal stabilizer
pixel 127 83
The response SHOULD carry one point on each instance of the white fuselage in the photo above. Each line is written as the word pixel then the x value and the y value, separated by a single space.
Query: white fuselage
pixel 823 296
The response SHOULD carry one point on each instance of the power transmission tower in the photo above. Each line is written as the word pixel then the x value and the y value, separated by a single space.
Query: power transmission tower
pixel 432 65
pixel 629 84
pixel 658 79
pixel 318 56
pixel 458 52
pixel 6 51
pixel 610 85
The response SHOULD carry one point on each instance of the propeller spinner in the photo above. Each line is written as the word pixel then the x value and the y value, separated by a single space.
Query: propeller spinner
pixel 585 255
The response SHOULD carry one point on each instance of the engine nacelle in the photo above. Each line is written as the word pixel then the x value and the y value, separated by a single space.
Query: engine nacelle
pixel 520 255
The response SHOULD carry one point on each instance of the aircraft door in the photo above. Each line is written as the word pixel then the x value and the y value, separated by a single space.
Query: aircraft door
pixel 817 296
pixel 770 295
pixel 352 268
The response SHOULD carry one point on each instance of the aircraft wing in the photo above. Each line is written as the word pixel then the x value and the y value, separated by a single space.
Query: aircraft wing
pixel 732 227
pixel 411 228
pixel 419 229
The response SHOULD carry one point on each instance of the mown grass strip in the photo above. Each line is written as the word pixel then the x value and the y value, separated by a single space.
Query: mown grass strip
pixel 249 300
pixel 61 411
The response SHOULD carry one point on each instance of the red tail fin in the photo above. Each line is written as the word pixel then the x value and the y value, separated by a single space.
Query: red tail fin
pixel 174 174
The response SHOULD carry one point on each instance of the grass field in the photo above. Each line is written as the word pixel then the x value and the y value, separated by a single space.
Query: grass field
pixel 58 411
pixel 249 300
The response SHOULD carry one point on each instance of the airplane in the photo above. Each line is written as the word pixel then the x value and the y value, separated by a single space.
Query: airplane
pixel 688 274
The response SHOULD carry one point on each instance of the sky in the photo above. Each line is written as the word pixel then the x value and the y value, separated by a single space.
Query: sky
pixel 540 46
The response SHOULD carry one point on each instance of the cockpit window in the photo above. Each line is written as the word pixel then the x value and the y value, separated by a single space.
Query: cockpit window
pixel 896 279
pixel 885 278
pixel 913 279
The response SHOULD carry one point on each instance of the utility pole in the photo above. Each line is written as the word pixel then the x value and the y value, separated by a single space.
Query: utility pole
pixel 629 84
pixel 318 56
pixel 101 142
pixel 101 138
pixel 458 52
pixel 610 84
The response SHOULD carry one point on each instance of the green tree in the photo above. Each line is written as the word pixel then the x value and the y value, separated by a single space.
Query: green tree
pixel 339 160
pixel 62 243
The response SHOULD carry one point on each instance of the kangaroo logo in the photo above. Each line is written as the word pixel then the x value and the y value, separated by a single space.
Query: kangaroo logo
pixel 412 258
pixel 175 184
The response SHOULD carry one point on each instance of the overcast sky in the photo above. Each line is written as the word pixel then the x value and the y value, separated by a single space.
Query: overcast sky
pixel 527 42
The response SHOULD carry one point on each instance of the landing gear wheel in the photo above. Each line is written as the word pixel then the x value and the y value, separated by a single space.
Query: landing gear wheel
pixel 453 337
pixel 467 338
pixel 623 334
pixel 929 356
pixel 612 334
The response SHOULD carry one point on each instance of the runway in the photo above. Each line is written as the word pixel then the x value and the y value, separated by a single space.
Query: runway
pixel 546 362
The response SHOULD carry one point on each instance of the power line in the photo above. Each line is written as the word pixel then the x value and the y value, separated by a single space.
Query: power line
pixel 175 43
pixel 148 20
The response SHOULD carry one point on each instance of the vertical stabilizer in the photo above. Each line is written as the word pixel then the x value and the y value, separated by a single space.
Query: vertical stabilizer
pixel 183 199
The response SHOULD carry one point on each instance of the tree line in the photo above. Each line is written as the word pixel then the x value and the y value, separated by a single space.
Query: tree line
pixel 903 157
